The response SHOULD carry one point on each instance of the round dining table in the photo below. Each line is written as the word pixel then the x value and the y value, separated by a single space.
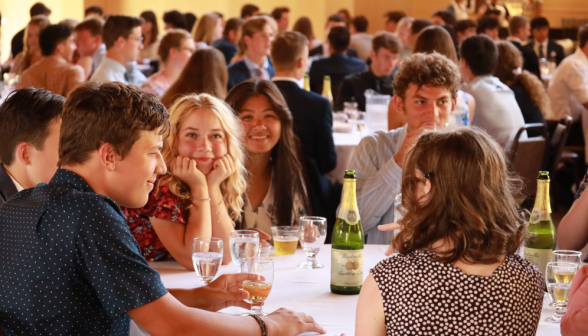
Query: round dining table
pixel 307 290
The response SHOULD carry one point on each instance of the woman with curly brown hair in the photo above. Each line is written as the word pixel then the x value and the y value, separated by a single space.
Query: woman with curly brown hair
pixel 458 271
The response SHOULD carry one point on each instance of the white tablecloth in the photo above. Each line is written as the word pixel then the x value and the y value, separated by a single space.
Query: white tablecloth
pixel 345 144
pixel 308 290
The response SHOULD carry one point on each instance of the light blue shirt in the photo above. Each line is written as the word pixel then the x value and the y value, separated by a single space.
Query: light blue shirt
pixel 253 68
pixel 110 70
pixel 497 111
pixel 98 56
pixel 378 181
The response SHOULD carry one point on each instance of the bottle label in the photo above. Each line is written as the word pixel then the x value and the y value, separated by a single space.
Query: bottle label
pixel 539 257
pixel 346 267
pixel 539 215
pixel 351 216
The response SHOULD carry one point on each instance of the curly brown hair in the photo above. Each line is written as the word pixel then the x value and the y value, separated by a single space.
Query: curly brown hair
pixel 433 70
pixel 509 61
pixel 471 205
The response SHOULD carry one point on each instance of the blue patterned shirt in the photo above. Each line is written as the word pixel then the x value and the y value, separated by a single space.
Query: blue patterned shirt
pixel 68 263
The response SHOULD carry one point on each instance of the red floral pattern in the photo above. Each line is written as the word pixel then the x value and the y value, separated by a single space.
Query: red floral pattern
pixel 162 204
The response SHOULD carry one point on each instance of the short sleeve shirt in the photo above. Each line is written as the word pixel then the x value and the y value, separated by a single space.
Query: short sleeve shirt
pixel 68 263
pixel 162 204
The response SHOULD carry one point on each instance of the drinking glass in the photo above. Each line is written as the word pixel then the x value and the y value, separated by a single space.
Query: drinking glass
pixel 285 239
pixel 357 119
pixel 313 231
pixel 243 244
pixel 259 282
pixel 565 256
pixel 264 249
pixel 558 276
pixel 207 256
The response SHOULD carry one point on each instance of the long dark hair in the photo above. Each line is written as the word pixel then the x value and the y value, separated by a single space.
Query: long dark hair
pixel 287 179
pixel 149 16
pixel 205 72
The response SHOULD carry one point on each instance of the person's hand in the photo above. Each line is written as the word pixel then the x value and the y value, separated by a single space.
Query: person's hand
pixel 222 168
pixel 390 227
pixel 263 237
pixel 410 140
pixel 185 169
pixel 482 10
pixel 311 233
pixel 284 322
pixel 225 291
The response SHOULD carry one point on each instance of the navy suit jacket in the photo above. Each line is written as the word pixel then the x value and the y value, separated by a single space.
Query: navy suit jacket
pixel 552 48
pixel 530 59
pixel 7 187
pixel 313 124
pixel 226 47
pixel 337 67
pixel 239 72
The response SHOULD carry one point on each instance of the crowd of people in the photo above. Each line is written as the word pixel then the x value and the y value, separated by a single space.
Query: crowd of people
pixel 104 169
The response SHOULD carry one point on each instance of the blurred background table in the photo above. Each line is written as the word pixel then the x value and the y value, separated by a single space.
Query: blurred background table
pixel 307 291
pixel 345 144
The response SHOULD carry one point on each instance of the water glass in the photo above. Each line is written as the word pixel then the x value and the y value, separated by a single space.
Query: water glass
pixel 313 231
pixel 207 256
pixel 349 107
pixel 264 249
pixel 243 244
pixel 558 276
pixel 259 282
pixel 285 239
pixel 357 119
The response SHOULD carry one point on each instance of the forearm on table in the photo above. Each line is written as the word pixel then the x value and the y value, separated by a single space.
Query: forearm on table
pixel 222 225
pixel 572 233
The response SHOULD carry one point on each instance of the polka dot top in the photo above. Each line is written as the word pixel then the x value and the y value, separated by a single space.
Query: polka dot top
pixel 423 297
pixel 68 263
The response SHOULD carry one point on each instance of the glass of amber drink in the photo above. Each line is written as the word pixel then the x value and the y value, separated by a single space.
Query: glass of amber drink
pixel 285 239
pixel 259 283
pixel 558 277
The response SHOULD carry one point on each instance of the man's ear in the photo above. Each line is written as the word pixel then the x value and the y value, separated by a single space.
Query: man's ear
pixel 120 41
pixel 247 40
pixel 23 153
pixel 399 104
pixel 108 157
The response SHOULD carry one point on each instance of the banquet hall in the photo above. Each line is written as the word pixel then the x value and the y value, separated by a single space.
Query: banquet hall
pixel 264 167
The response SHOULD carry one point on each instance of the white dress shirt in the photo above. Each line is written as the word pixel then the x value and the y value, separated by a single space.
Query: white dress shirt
pixel 254 68
pixel 497 111
pixel 378 181
pixel 19 188
pixel 568 89
pixel 300 82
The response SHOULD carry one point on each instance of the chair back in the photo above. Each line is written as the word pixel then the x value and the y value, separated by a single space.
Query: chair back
pixel 558 141
pixel 527 155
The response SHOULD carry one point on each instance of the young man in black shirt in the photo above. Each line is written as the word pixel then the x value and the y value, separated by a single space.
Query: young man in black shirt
pixel 379 77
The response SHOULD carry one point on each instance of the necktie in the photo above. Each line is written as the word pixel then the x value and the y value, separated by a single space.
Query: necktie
pixel 541 54
pixel 127 78
pixel 261 74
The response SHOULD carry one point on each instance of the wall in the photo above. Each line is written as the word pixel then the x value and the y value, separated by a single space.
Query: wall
pixel 16 15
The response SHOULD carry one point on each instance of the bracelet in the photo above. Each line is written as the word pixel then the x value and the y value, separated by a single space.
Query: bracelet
pixel 201 199
pixel 261 324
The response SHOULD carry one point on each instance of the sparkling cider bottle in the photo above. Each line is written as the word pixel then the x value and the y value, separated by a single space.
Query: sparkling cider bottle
pixel 306 82
pixel 327 93
pixel 541 241
pixel 347 249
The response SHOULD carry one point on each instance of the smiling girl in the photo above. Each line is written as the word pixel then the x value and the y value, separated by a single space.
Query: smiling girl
pixel 275 191
pixel 201 194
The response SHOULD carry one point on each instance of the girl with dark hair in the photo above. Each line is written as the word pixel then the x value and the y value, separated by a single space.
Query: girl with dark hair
pixel 205 72
pixel 458 247
pixel 275 193
pixel 151 37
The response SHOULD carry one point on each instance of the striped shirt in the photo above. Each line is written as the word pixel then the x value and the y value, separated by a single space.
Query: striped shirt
pixel 378 181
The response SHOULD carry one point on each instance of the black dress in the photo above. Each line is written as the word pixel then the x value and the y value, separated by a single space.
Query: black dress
pixel 423 297
pixel 531 112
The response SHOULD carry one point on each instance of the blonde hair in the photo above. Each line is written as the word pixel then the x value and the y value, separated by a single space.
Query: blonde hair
pixel 235 185
pixel 253 25
pixel 40 21
pixel 204 30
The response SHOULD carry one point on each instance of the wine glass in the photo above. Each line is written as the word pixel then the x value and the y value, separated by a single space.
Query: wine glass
pixel 259 282
pixel 565 256
pixel 243 244
pixel 313 231
pixel 558 276
pixel 207 256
